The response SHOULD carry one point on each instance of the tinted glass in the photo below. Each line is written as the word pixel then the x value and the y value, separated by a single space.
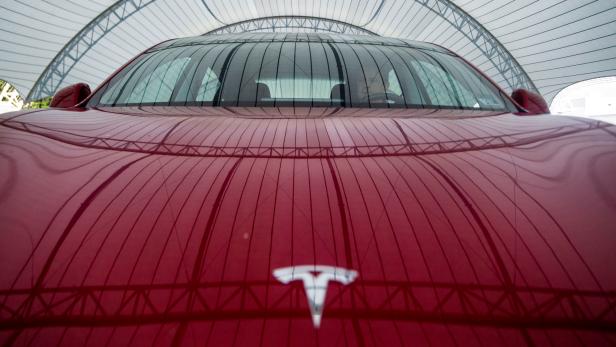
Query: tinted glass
pixel 300 73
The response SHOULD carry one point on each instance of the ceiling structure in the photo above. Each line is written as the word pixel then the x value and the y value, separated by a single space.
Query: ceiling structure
pixel 543 45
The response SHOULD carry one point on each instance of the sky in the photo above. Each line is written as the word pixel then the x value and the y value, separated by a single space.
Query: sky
pixel 594 98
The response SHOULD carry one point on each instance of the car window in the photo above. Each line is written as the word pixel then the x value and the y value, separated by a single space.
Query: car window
pixel 159 86
pixel 300 73
pixel 393 83
pixel 437 83
pixel 209 85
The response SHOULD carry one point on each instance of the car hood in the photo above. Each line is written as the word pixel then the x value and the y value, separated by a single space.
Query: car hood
pixel 169 224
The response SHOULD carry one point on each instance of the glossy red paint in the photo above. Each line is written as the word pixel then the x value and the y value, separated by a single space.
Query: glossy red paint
pixel 533 103
pixel 163 225
pixel 70 96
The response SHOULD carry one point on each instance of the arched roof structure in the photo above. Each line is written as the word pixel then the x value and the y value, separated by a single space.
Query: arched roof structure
pixel 545 45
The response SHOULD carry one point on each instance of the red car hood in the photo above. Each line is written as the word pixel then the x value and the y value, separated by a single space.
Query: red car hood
pixel 165 225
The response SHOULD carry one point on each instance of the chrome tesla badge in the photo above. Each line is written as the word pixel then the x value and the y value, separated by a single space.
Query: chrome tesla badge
pixel 315 278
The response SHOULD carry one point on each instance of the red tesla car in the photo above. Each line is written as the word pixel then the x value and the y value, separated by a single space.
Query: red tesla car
pixel 305 189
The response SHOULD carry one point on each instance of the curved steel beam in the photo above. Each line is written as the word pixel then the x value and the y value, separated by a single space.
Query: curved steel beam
pixel 504 62
pixel 209 10
pixel 57 70
pixel 376 13
pixel 52 77
pixel 272 23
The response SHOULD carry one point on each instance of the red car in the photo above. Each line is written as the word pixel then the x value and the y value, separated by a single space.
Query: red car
pixel 305 189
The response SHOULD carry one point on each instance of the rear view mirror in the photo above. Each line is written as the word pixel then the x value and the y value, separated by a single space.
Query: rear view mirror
pixel 70 96
pixel 531 102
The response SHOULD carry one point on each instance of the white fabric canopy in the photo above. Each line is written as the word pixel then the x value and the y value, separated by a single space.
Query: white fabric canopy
pixel 556 42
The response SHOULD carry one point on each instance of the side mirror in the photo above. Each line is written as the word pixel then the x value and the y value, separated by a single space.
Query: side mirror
pixel 70 96
pixel 532 102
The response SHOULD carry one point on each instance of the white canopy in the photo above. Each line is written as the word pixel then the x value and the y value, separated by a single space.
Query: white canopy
pixel 547 44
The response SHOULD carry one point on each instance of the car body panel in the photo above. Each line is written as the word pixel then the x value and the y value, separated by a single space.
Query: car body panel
pixel 164 225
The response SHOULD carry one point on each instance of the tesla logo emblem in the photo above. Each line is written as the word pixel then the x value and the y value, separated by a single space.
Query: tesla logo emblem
pixel 315 278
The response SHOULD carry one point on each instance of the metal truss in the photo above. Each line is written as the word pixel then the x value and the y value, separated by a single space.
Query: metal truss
pixel 404 149
pixel 54 74
pixel 504 62
pixel 57 70
pixel 276 23
pixel 483 305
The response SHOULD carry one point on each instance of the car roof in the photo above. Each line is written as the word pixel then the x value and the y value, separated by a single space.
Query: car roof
pixel 297 37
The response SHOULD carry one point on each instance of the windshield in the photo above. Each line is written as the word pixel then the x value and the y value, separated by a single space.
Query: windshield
pixel 299 73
